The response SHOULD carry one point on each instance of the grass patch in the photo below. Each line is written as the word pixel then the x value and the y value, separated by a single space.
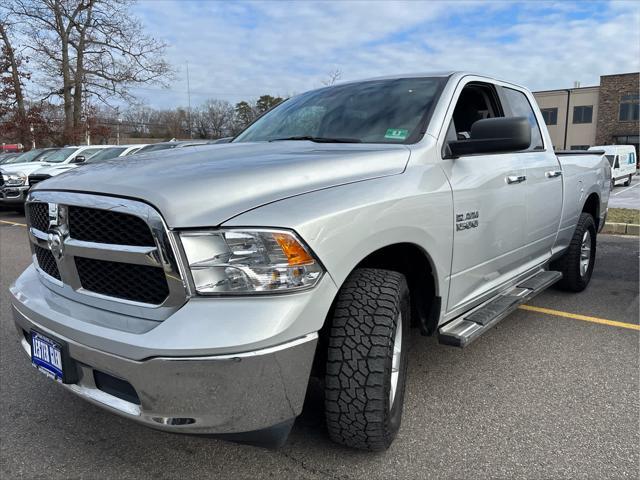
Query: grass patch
pixel 623 215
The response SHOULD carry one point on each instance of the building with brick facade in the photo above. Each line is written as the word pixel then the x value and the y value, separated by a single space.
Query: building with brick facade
pixel 607 114
pixel 618 106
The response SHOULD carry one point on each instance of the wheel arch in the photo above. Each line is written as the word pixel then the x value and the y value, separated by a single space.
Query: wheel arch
pixel 592 206
pixel 416 264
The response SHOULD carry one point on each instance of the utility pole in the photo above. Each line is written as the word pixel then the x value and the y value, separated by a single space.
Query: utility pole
pixel 33 138
pixel 189 102
pixel 118 122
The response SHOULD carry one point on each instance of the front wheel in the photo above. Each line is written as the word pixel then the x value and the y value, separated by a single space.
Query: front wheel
pixel 628 182
pixel 578 261
pixel 367 359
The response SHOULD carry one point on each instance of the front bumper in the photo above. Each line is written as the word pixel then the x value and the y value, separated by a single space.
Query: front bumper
pixel 13 195
pixel 218 394
pixel 197 392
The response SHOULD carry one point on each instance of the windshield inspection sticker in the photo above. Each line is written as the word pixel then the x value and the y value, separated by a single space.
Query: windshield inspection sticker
pixel 397 133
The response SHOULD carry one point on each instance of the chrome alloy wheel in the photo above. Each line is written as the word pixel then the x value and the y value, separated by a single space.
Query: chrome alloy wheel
pixel 585 253
pixel 395 361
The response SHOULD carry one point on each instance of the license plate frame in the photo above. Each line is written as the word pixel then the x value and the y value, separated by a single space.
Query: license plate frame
pixel 50 356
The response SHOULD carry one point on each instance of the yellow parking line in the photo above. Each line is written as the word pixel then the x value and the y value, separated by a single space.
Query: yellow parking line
pixel 584 318
pixel 15 224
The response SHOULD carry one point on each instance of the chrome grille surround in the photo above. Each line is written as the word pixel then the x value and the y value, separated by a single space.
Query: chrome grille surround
pixel 163 255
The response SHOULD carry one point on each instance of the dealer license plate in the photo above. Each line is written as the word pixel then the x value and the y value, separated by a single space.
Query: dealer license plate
pixel 46 356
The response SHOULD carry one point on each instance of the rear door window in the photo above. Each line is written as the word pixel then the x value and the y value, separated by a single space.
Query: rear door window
pixel 519 106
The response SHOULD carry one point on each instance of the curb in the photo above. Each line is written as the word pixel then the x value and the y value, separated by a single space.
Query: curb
pixel 621 229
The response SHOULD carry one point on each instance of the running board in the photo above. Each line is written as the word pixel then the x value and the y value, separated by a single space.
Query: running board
pixel 466 328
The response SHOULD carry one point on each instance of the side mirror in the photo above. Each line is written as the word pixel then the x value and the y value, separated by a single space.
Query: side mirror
pixel 494 135
pixel 79 159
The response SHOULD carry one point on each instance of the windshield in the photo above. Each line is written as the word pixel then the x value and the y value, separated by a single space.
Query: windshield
pixel 61 155
pixel 106 154
pixel 10 158
pixel 610 158
pixel 155 147
pixel 29 156
pixel 377 111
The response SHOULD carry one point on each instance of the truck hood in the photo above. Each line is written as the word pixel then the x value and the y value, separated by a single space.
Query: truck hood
pixel 54 170
pixel 205 186
pixel 26 168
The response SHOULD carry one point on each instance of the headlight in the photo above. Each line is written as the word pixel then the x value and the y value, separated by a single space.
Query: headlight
pixel 249 261
pixel 14 179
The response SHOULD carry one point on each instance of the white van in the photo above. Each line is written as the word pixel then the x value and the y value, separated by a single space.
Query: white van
pixel 623 162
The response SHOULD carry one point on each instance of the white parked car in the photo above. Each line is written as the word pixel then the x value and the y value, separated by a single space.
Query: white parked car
pixel 14 191
pixel 96 156
pixel 622 159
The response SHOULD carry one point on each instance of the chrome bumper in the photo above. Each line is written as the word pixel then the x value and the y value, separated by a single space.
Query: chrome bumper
pixel 215 394
pixel 13 195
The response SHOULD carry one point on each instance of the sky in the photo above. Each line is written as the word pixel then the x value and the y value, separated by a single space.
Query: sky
pixel 243 49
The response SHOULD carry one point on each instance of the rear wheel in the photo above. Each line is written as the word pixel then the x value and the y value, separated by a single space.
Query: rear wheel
pixel 367 359
pixel 578 261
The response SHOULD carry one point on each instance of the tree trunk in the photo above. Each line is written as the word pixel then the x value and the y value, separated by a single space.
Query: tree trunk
pixel 78 81
pixel 17 85
pixel 68 135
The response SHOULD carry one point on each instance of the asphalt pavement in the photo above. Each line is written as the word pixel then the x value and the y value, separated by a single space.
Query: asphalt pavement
pixel 541 396
pixel 626 197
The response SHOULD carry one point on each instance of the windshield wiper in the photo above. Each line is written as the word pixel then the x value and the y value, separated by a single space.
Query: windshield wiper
pixel 318 139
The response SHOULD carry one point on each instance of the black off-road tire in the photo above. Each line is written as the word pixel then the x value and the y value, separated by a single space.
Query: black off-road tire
pixel 359 359
pixel 569 263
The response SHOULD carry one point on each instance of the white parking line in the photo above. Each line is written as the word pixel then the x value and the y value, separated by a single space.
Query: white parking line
pixel 628 188
pixel 13 224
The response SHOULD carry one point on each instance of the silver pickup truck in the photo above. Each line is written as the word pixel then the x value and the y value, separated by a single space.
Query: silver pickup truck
pixel 197 291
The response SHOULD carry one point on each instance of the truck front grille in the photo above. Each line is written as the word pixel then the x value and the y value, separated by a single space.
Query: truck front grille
pixel 116 248
pixel 37 178
pixel 104 226
pixel 137 283
pixel 46 262
pixel 38 216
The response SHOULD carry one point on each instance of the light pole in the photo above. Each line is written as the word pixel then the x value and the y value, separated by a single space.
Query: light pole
pixel 33 138
pixel 189 102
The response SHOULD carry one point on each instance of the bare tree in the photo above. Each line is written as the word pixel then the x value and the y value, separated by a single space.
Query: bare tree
pixel 11 65
pixel 139 119
pixel 89 49
pixel 332 77
pixel 170 124
pixel 214 118
pixel 12 100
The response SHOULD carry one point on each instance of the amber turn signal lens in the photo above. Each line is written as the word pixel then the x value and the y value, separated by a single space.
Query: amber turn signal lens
pixel 296 254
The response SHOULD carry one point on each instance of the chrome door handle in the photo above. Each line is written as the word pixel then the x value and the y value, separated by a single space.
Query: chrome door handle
pixel 516 179
pixel 553 173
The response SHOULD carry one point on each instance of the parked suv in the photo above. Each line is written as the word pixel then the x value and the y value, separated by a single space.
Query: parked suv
pixel 199 292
